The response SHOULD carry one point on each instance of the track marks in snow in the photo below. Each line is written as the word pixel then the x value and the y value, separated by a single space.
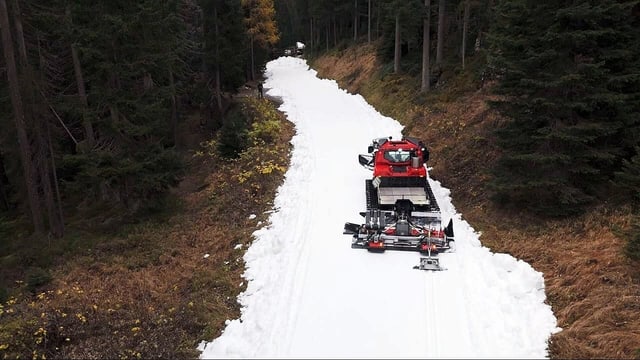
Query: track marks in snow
pixel 310 295
pixel 432 317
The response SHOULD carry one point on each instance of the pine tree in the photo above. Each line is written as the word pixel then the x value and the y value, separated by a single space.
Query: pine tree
pixel 409 15
pixel 130 53
pixel 559 65
pixel 632 247
pixel 21 124
pixel 629 176
pixel 230 42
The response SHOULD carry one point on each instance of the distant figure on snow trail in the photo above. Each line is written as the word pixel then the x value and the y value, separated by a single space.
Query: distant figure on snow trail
pixel 260 90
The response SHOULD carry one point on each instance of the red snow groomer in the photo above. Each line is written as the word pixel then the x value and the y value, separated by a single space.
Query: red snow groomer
pixel 402 212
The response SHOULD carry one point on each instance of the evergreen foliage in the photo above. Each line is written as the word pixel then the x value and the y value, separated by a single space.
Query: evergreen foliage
pixel 629 176
pixel 36 277
pixel 233 134
pixel 632 247
pixel 230 44
pixel 129 54
pixel 568 74
pixel 111 80
pixel 137 61
pixel 249 123
pixel 561 68
pixel 144 174
pixel 410 27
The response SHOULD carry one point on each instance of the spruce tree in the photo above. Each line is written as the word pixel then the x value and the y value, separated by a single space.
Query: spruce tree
pixel 231 42
pixel 629 176
pixel 129 52
pixel 410 14
pixel 632 236
pixel 559 66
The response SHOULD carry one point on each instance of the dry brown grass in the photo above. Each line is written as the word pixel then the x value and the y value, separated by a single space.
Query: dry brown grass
pixel 161 287
pixel 353 67
pixel 593 289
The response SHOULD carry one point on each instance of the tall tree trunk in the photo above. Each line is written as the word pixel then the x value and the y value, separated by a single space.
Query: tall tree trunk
pixel 22 47
pixel 28 81
pixel 32 107
pixel 82 93
pixel 465 27
pixel 19 117
pixel 396 56
pixel 174 108
pixel 311 32
pixel 253 65
pixel 426 47
pixel 217 67
pixel 369 23
pixel 44 152
pixel 294 18
pixel 441 19
pixel 328 28
pixel 378 20
pixel 335 31
pixel 114 113
pixel 4 198
pixel 59 230
pixel 355 21
pixel 45 180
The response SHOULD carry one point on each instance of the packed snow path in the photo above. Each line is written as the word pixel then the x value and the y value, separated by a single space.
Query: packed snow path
pixel 309 295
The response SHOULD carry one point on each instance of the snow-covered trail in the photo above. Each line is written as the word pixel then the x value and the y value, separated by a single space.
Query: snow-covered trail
pixel 310 295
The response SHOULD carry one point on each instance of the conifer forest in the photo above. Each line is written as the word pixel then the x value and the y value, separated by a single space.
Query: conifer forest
pixel 98 99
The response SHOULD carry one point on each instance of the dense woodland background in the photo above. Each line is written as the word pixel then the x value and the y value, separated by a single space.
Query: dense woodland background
pixel 96 96
pixel 97 91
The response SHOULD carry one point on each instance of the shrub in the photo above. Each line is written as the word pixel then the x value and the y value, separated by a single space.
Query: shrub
pixel 632 247
pixel 37 277
pixel 233 134
pixel 265 121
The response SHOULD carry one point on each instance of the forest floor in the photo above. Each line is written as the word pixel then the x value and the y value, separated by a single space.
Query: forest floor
pixel 157 287
pixel 594 290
